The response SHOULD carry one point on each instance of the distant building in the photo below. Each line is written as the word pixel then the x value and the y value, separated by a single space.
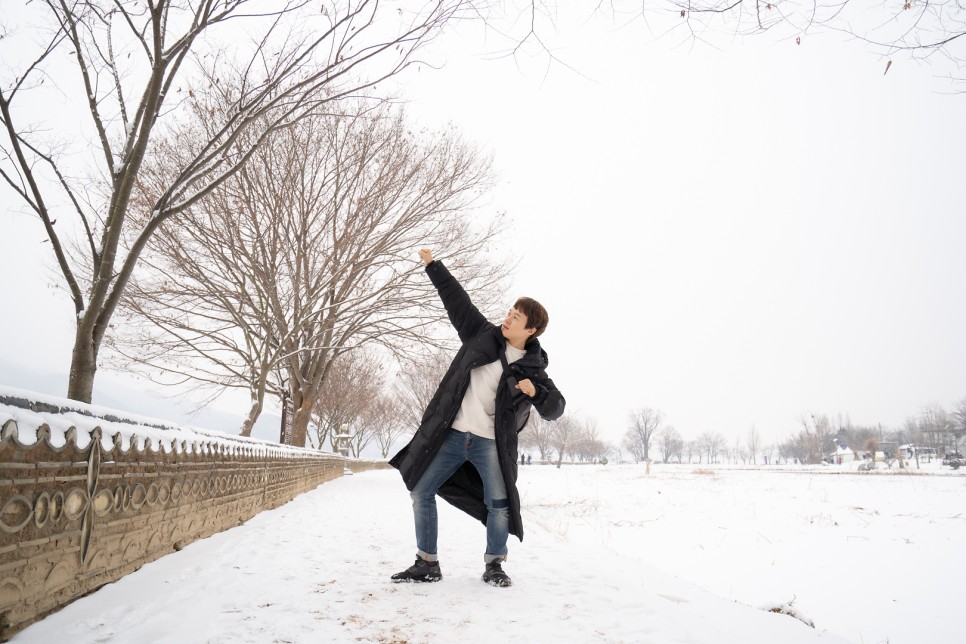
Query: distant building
pixel 841 455
pixel 910 451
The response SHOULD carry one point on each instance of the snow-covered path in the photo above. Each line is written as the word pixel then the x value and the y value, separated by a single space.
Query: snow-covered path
pixel 317 570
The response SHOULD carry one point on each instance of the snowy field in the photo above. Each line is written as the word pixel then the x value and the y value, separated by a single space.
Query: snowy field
pixel 685 555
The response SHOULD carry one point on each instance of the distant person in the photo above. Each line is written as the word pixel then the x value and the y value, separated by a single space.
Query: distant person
pixel 523 459
pixel 528 459
pixel 465 450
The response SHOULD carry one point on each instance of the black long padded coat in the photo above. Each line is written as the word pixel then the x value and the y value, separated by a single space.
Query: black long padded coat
pixel 483 342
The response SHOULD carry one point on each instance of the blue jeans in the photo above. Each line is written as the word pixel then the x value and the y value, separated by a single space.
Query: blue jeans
pixel 459 447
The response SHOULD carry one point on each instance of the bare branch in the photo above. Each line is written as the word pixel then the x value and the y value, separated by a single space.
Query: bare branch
pixel 307 251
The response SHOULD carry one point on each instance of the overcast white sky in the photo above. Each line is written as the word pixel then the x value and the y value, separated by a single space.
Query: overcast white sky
pixel 734 235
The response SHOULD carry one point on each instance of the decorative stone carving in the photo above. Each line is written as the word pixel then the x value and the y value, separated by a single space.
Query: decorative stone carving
pixel 96 508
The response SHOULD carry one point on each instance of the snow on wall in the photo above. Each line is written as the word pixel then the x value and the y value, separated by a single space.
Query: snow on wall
pixel 64 418
pixel 89 494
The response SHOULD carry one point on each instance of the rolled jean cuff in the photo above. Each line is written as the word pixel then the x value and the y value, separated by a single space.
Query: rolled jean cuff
pixel 488 558
pixel 425 556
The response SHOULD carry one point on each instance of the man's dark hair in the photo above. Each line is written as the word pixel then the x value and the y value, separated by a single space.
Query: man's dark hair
pixel 537 317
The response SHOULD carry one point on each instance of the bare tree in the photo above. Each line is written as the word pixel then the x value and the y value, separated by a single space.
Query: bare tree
pixel 567 432
pixel 597 449
pixel 859 437
pixel 691 449
pixel 538 435
pixel 929 32
pixel 356 380
pixel 814 441
pixel 872 446
pixel 417 381
pixel 711 443
pixel 388 422
pixel 375 417
pixel 768 453
pixel 738 453
pixel 789 449
pixel 590 447
pixel 936 426
pixel 308 252
pixel 959 415
pixel 356 397
pixel 912 430
pixel 401 405
pixel 669 443
pixel 754 444
pixel 644 422
pixel 899 441
pixel 138 63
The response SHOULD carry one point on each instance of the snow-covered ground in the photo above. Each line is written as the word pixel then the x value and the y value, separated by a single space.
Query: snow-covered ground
pixel 685 555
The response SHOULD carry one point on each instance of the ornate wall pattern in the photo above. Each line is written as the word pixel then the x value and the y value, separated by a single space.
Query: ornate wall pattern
pixel 75 518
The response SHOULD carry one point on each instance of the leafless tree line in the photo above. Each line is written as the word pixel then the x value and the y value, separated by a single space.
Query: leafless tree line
pixel 305 254
pixel 575 439
pixel 817 439
pixel 649 438
pixel 821 435
pixel 570 437
pixel 371 401
pixel 216 79
pixel 671 446
pixel 375 399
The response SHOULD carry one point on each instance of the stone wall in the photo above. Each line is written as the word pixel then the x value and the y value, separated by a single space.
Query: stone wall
pixel 357 466
pixel 80 509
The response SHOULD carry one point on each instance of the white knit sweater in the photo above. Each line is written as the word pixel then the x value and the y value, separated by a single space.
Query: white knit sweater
pixel 479 403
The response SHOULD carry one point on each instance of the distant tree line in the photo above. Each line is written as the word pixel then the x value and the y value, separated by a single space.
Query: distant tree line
pixel 820 435
pixel 648 438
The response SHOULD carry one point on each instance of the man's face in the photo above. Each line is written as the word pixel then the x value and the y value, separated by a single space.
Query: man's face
pixel 515 327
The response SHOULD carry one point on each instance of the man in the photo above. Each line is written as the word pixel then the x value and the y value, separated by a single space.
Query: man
pixel 465 449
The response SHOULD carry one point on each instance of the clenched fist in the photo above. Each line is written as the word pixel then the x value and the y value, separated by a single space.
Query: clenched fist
pixel 527 387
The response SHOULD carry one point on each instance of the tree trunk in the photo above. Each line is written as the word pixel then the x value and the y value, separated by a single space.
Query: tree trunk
pixel 83 366
pixel 253 413
pixel 300 423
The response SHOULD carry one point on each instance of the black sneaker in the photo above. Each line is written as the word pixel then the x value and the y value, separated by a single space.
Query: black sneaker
pixel 495 576
pixel 420 571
